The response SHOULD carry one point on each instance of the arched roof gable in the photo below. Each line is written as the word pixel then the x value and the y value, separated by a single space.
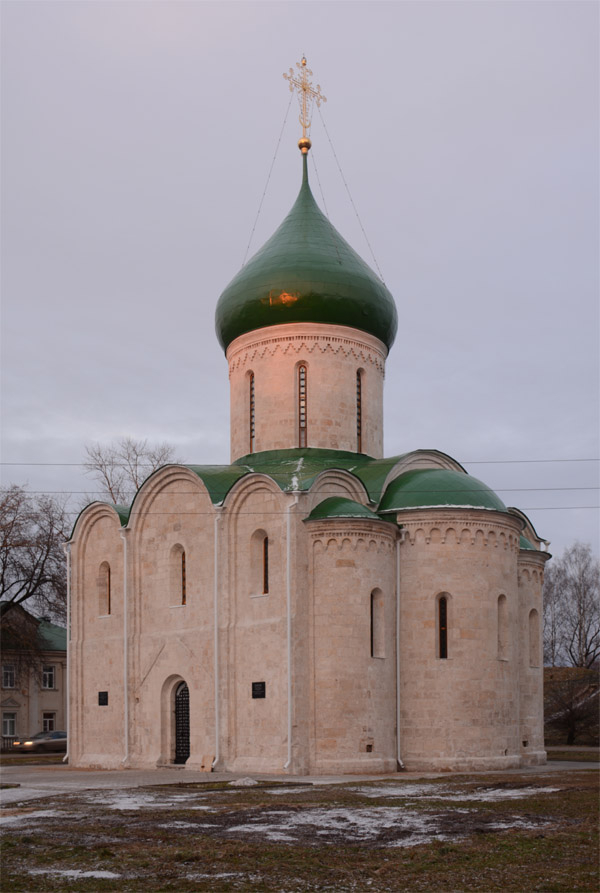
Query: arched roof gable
pixel 157 482
pixel 91 513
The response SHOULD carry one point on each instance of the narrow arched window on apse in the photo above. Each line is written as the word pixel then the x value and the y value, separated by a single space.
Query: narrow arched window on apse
pixel 302 406
pixel 178 592
pixel 104 594
pixel 359 424
pixel 258 577
pixel 502 628
pixel 442 627
pixel 534 638
pixel 252 411
pixel 377 624
pixel 265 586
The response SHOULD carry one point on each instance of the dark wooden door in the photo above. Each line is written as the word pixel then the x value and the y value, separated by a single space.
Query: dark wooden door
pixel 182 723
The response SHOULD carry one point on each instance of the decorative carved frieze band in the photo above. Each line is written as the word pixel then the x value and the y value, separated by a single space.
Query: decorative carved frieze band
pixel 247 354
pixel 534 574
pixel 334 537
pixel 465 532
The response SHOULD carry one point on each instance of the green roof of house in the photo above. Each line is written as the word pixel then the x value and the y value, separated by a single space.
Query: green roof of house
pixel 51 636
pixel 438 488
pixel 340 507
pixel 306 272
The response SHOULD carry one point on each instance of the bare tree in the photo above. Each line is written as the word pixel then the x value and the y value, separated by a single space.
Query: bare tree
pixel 120 468
pixel 571 704
pixel 32 561
pixel 572 608
pixel 553 616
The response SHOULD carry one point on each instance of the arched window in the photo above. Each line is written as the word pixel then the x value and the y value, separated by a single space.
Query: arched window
pixel 442 626
pixel 178 575
pixel 377 624
pixel 260 563
pixel 265 568
pixel 252 411
pixel 104 593
pixel 502 628
pixel 302 406
pixel 534 638
pixel 359 375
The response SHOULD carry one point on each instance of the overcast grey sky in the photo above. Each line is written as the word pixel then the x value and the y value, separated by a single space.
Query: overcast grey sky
pixel 136 142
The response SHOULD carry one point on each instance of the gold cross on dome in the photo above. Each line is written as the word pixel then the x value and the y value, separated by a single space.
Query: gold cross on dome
pixel 307 94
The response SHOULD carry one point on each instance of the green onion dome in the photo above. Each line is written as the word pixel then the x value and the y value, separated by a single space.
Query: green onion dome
pixel 306 272
pixel 438 488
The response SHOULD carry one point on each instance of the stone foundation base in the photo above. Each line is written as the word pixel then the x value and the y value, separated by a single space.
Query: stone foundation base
pixel 462 764
pixel 367 765
pixel 534 758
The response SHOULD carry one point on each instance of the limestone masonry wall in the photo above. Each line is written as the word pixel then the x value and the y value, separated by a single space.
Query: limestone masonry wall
pixel 459 712
pixel 531 681
pixel 353 651
pixel 96 645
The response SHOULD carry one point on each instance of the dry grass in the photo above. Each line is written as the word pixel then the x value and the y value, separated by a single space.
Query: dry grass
pixel 168 843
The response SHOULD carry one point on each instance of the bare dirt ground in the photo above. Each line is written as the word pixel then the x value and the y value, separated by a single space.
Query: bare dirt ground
pixel 500 831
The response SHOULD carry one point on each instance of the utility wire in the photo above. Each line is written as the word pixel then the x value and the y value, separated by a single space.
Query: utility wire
pixel 350 196
pixel 268 180
pixel 277 462
pixel 194 492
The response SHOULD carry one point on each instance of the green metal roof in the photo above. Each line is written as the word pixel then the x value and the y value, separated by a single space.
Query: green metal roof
pixel 306 272
pixel 297 470
pixel 52 637
pixel 340 507
pixel 438 488
pixel 525 544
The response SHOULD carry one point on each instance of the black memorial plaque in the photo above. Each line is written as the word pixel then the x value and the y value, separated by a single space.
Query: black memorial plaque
pixel 259 689
pixel 103 699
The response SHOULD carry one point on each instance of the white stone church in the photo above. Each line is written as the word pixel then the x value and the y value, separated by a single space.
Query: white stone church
pixel 311 607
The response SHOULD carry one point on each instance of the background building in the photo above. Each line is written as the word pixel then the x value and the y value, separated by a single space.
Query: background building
pixel 34 676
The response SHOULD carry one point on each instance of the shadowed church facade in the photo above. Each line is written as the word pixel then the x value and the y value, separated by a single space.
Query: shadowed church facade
pixel 311 607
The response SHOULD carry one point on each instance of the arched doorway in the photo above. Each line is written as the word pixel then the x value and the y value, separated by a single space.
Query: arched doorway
pixel 182 723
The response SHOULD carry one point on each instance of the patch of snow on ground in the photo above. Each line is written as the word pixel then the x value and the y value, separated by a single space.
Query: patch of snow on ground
pixel 287 790
pixel 243 783
pixel 440 792
pixel 135 800
pixel 363 825
pixel 75 873
pixel 29 816
pixel 428 791
pixel 493 794
pixel 355 824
